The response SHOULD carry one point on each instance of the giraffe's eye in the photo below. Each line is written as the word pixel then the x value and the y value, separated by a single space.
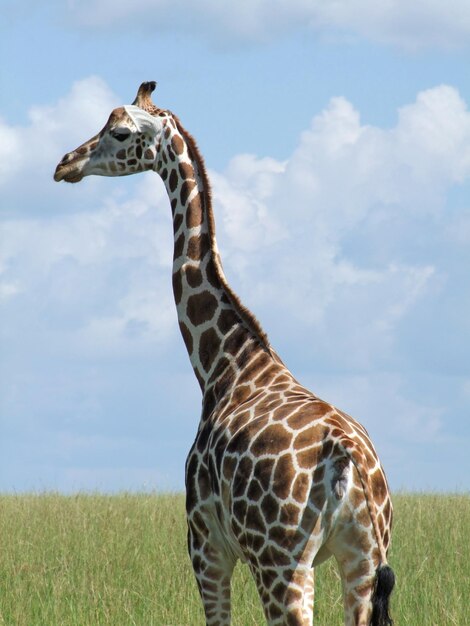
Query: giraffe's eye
pixel 121 134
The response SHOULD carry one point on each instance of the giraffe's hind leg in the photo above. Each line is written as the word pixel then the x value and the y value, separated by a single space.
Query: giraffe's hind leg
pixel 286 594
pixel 356 553
pixel 358 579
pixel 367 583
pixel 213 570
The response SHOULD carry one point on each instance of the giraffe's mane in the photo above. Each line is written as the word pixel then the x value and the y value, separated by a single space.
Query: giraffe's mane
pixel 245 314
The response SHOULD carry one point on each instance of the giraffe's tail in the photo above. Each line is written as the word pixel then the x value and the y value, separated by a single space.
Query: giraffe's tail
pixel 384 583
pixel 384 576
pixel 358 459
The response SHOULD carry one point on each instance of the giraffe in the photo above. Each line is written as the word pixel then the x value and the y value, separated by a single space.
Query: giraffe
pixel 276 477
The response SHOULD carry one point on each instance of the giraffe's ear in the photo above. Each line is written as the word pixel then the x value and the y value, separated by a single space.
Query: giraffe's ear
pixel 143 120
pixel 143 98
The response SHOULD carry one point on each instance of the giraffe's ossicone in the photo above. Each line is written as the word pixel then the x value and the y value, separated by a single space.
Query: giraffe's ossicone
pixel 276 477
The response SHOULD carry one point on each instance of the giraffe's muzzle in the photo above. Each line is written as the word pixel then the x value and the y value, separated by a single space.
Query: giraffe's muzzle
pixel 69 169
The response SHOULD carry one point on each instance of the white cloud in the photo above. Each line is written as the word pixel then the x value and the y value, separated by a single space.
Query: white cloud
pixel 99 277
pixel 381 398
pixel 10 151
pixel 433 135
pixel 242 193
pixel 409 25
pixel 346 184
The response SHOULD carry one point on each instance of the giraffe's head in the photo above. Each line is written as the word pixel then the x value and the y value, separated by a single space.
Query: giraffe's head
pixel 127 144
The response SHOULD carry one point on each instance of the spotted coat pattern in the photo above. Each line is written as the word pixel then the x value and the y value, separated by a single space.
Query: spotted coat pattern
pixel 276 477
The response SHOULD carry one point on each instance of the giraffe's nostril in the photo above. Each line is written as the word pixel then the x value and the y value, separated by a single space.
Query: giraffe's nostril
pixel 65 159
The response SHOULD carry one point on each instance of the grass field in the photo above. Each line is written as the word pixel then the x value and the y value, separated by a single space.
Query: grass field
pixel 88 560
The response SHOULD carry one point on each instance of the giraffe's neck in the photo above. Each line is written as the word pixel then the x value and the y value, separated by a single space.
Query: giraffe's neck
pixel 221 335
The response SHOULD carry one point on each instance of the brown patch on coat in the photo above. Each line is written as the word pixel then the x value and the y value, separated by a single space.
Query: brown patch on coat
pixel 209 345
pixel 194 213
pixel 177 144
pixel 177 287
pixel 177 220
pixel 198 247
pixel 283 476
pixel 179 246
pixel 379 487
pixel 193 276
pixel 273 440
pixel 201 307
pixel 235 340
pixel 263 473
pixel 186 170
pixel 270 508
pixel 187 337
pixel 173 181
pixel 254 519
pixel 227 319
pixel 186 188
pixel 255 491
pixel 300 487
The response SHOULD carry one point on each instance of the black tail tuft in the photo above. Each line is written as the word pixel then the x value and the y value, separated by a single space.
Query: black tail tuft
pixel 384 583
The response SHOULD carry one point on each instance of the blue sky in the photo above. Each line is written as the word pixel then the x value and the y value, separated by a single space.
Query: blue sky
pixel 337 137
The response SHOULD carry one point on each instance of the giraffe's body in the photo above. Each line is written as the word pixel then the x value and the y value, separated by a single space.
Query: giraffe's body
pixel 276 477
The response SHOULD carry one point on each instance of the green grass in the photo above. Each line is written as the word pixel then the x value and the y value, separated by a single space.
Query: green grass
pixel 88 560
